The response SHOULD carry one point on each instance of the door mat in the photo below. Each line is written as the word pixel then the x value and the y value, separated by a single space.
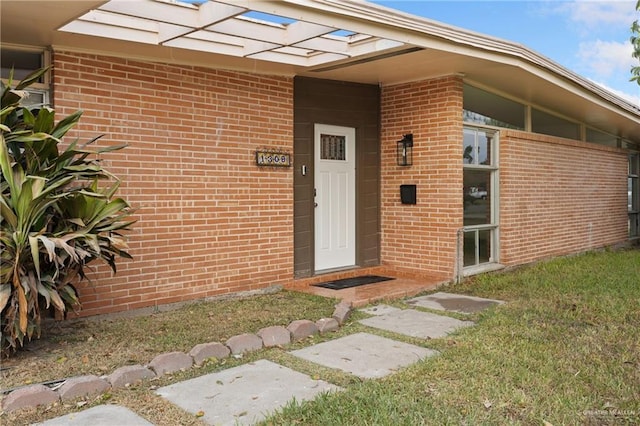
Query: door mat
pixel 352 282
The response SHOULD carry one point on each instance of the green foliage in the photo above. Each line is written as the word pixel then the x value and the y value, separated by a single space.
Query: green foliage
pixel 635 42
pixel 54 216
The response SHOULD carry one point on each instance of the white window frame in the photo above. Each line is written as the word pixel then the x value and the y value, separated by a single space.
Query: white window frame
pixel 43 88
pixel 634 214
pixel 493 227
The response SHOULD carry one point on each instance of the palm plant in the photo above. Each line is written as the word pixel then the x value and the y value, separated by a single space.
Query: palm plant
pixel 55 218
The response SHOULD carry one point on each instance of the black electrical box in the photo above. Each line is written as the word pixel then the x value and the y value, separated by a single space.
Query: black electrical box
pixel 408 194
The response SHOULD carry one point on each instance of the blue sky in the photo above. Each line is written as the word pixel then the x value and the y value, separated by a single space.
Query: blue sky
pixel 589 37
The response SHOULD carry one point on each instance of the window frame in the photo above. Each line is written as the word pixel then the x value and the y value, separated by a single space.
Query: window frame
pixel 494 199
pixel 44 87
pixel 633 175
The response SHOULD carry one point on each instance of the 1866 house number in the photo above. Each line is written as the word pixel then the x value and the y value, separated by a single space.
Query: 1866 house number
pixel 273 158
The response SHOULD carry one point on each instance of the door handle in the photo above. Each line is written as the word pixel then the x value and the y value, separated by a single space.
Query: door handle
pixel 315 204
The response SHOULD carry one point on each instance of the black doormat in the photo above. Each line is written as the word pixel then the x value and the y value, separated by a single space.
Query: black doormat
pixel 352 282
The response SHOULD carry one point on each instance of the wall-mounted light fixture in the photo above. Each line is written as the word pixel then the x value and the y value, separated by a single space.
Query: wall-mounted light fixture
pixel 405 150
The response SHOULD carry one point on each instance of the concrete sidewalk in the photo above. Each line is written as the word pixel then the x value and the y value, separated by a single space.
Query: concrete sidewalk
pixel 249 393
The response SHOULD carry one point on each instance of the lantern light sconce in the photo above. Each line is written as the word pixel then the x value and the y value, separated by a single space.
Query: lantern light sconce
pixel 405 150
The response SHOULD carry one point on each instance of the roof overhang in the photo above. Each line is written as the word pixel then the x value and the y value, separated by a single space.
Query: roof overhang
pixel 345 40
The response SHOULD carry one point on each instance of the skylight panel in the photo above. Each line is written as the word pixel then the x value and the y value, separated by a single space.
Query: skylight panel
pixel 188 2
pixel 342 33
pixel 268 18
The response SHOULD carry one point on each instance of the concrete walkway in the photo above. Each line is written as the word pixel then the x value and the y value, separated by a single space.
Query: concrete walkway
pixel 248 393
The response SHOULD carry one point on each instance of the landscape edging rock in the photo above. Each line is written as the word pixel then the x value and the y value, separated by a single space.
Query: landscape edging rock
pixel 22 397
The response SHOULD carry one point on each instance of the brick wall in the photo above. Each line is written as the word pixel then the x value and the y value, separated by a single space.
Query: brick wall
pixel 559 196
pixel 210 221
pixel 422 236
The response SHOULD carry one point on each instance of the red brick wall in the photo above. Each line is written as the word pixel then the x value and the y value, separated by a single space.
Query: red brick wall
pixel 210 221
pixel 559 196
pixel 423 236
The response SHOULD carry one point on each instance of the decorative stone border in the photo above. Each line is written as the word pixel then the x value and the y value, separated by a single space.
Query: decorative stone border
pixel 90 385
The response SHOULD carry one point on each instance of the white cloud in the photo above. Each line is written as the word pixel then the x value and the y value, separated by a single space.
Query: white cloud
pixel 604 59
pixel 596 14
pixel 590 15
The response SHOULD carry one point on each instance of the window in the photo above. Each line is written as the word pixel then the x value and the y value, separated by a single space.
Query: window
pixel 23 62
pixel 332 147
pixel 633 195
pixel 480 175
pixel 482 107
pixel 549 124
pixel 601 138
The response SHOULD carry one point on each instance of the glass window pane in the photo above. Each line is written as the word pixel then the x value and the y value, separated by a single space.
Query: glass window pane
pixel 477 146
pixel 485 140
pixel 484 246
pixel 333 147
pixel 469 147
pixel 35 98
pixel 477 197
pixel 601 138
pixel 634 225
pixel 22 62
pixel 548 124
pixel 632 195
pixel 469 245
pixel 633 165
pixel 483 107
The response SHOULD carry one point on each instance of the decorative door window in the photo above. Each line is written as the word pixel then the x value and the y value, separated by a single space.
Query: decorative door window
pixel 333 147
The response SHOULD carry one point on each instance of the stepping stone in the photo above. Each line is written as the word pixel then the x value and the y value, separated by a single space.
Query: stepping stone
pixel 379 310
pixel 416 324
pixel 454 302
pixel 100 415
pixel 245 394
pixel 364 355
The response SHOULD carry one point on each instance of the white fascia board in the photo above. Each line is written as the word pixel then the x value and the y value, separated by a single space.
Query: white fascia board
pixel 325 44
pixel 304 61
pixel 186 15
pixel 372 46
pixel 216 38
pixel 168 32
pixel 119 33
pixel 211 12
pixel 251 29
pixel 251 47
pixel 155 11
pixel 301 31
pixel 221 43
pixel 206 46
pixel 117 21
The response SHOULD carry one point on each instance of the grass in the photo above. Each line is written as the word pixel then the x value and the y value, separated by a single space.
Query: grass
pixel 100 345
pixel 564 349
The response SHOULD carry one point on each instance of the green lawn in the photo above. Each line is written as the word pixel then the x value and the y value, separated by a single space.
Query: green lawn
pixel 565 349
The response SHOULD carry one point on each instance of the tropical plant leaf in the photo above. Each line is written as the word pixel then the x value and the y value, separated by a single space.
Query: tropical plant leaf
pixel 56 218
pixel 56 300
pixel 66 124
pixel 33 77
pixel 35 255
pixel 23 311
pixel 5 293
pixel 44 292
pixel 44 121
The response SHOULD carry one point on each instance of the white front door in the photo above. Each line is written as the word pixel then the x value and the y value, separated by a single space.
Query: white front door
pixel 335 196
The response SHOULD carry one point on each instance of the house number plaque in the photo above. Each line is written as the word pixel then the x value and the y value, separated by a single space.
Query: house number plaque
pixel 273 158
